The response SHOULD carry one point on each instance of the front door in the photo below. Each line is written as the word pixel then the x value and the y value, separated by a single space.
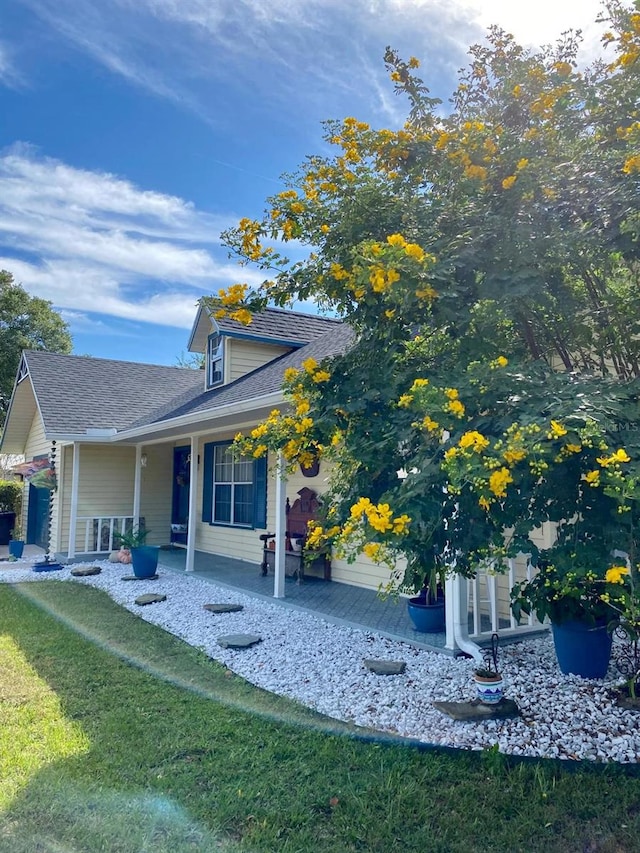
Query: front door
pixel 38 517
pixel 180 498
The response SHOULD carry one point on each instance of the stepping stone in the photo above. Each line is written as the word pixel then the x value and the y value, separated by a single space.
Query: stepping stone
pixel 223 608
pixel 150 598
pixel 136 578
pixel 47 567
pixel 474 711
pixel 86 572
pixel 385 667
pixel 238 641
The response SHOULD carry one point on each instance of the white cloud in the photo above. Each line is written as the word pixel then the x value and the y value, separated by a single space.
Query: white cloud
pixel 94 242
pixel 9 74
pixel 318 58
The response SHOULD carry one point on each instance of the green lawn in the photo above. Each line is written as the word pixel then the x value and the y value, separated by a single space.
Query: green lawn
pixel 115 736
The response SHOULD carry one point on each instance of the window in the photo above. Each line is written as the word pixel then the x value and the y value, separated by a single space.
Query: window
pixel 215 360
pixel 235 490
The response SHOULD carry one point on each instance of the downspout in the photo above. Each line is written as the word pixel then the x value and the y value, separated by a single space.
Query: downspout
pixel 457 618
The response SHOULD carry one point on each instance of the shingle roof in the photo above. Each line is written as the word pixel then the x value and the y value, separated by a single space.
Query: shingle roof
pixel 265 380
pixel 76 393
pixel 281 325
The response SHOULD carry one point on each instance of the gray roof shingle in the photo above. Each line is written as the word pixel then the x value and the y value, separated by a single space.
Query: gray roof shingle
pixel 281 325
pixel 76 393
pixel 265 380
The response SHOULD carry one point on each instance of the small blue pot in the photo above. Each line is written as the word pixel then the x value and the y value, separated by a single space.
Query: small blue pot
pixel 427 618
pixel 144 560
pixel 16 547
pixel 582 649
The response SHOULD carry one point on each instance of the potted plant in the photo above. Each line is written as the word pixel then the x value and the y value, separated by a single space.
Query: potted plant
pixel 576 599
pixel 426 610
pixel 488 679
pixel 16 542
pixel 144 558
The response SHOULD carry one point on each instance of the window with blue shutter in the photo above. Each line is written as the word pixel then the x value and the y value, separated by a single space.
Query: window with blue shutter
pixel 235 489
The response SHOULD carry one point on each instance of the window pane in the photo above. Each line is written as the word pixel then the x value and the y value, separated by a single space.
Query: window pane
pixel 222 504
pixel 223 472
pixel 243 471
pixel 243 504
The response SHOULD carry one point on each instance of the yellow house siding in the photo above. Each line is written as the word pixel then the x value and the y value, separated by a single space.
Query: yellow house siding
pixel 156 490
pixel 241 357
pixel 105 487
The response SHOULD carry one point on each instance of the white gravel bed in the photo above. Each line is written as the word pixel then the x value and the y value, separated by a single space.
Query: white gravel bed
pixel 321 665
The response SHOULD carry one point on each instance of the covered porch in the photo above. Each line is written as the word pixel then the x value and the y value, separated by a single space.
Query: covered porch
pixel 345 604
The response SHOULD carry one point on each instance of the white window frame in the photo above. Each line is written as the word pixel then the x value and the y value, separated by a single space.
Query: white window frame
pixel 215 360
pixel 224 451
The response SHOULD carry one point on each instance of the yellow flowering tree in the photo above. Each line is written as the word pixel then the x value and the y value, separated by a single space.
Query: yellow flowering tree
pixel 487 262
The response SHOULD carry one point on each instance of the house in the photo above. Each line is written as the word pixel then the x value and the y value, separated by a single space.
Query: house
pixel 134 441
pixel 123 437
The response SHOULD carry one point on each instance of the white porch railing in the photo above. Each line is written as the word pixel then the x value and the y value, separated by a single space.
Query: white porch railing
pixel 477 608
pixel 96 534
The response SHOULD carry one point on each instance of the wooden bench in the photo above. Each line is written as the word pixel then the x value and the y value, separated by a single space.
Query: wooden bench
pixel 304 509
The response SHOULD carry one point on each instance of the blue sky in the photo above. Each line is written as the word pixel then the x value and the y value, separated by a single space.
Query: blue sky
pixel 133 132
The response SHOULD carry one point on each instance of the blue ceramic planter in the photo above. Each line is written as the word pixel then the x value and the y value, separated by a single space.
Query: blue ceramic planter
pixel 144 560
pixel 428 618
pixel 582 649
pixel 16 547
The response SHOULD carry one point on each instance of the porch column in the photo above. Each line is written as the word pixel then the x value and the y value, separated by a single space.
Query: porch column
pixel 73 511
pixel 191 520
pixel 281 525
pixel 137 479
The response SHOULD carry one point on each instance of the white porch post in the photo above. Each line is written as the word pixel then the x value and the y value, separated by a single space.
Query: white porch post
pixel 281 524
pixel 73 511
pixel 191 520
pixel 137 479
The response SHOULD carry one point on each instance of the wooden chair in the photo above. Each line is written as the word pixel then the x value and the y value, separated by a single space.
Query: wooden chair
pixel 304 509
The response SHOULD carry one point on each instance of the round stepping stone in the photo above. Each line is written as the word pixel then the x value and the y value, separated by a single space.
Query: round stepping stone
pixel 86 571
pixel 385 667
pixel 150 598
pixel 238 641
pixel 136 578
pixel 223 608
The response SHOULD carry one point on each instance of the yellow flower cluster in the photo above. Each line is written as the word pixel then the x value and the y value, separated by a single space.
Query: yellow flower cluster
pixel 499 480
pixel 379 516
pixel 474 440
pixel 616 574
pixel 619 456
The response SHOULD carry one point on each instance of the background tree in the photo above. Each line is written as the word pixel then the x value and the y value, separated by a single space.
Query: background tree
pixel 26 322
pixel 493 255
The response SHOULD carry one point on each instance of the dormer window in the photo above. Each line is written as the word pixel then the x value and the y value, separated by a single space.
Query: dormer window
pixel 215 360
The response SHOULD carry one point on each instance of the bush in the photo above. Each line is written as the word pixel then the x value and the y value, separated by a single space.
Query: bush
pixel 11 496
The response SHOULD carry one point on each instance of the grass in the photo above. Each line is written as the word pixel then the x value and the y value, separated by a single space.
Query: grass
pixel 115 736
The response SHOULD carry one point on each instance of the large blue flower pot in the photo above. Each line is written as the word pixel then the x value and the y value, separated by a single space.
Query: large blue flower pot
pixel 144 560
pixel 428 618
pixel 16 547
pixel 582 649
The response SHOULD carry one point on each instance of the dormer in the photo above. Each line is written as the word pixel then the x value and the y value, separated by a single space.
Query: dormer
pixel 232 350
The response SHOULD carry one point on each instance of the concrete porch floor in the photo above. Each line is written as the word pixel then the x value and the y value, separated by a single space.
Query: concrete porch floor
pixel 336 602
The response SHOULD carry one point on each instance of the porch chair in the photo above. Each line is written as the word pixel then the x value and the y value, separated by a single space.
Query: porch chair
pixel 304 509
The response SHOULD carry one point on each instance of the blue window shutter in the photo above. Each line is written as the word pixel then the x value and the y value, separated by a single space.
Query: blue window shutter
pixel 207 483
pixel 260 492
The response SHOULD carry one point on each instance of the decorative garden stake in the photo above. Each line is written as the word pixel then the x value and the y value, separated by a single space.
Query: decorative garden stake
pixel 489 683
